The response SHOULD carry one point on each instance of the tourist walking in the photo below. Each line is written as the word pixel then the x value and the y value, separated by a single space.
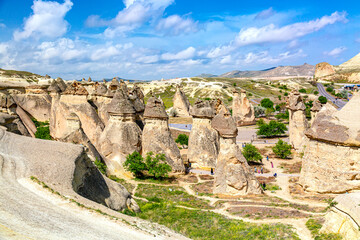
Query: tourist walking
pixel 267 157
pixel 262 170
pixel 272 165
pixel 255 169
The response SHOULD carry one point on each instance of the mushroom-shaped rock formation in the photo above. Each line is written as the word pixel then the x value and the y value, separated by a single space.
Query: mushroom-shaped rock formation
pixel 203 139
pixel 61 84
pixel 136 96
pixel 121 136
pixel 63 167
pixel 242 110
pixel 75 88
pixel 113 86
pixel 54 87
pixel 233 176
pixel 181 103
pixel 156 136
pixel 101 100
pixel 297 120
pixel 315 109
pixel 331 158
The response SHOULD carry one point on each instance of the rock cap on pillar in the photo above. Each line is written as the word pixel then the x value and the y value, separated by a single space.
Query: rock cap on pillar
pixel 225 124
pixel 155 109
pixel 202 109
pixel 120 104
pixel 295 101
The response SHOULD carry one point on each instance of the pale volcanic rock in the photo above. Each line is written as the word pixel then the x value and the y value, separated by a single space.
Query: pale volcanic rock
pixel 37 105
pixel 156 136
pixel 233 176
pixel 121 136
pixel 181 103
pixel 330 162
pixel 136 97
pixel 315 109
pixel 297 120
pixel 323 69
pixel 63 167
pixel 203 140
pixel 26 120
pixel 242 110
pixel 344 217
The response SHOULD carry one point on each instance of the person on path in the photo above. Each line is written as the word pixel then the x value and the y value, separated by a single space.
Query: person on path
pixel 212 171
pixel 275 174
pixel 272 165
pixel 255 170
pixel 259 171
pixel 262 170
pixel 267 157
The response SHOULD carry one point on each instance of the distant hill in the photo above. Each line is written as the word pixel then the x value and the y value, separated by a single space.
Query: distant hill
pixel 348 71
pixel 305 70
pixel 206 75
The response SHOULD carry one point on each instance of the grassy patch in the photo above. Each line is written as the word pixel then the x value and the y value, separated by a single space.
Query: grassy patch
pixel 197 224
pixel 172 194
pixel 272 187
pixel 314 225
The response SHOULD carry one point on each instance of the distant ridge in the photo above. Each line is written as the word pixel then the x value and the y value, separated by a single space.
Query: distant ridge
pixel 305 70
pixel 206 75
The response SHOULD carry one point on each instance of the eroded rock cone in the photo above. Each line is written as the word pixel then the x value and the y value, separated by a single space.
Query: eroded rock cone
pixel 242 110
pixel 156 136
pixel 330 162
pixel 121 136
pixel 75 88
pixel 181 103
pixel 136 96
pixel 297 120
pixel 233 175
pixel 61 84
pixel 203 139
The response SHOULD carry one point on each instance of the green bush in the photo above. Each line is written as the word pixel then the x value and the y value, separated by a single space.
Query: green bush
pixel 273 128
pixel 277 107
pixel 302 90
pixel 330 89
pixel 279 97
pixel 322 100
pixel 260 122
pixel 230 99
pixel 284 116
pixel 267 103
pixel 282 149
pixel 182 139
pixel 316 92
pixel 314 226
pixel 156 166
pixel 43 133
pixel 135 164
pixel 286 94
pixel 251 153
pixel 101 166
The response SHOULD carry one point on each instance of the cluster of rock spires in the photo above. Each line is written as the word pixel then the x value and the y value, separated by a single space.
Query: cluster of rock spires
pixel 242 109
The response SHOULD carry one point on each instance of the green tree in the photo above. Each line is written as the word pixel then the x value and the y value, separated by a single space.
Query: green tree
pixel 282 149
pixel 135 163
pixel 284 115
pixel 251 153
pixel 330 89
pixel 316 92
pixel 322 100
pixel 302 90
pixel 286 94
pixel 277 107
pixel 273 128
pixel 157 166
pixel 182 139
pixel 267 103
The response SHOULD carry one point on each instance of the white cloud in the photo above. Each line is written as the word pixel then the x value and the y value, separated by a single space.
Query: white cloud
pixel 2 25
pixel 47 20
pixel 135 14
pixel 63 49
pixel 176 25
pixel 185 54
pixel 272 33
pixel 264 57
pixel 336 51
pixel 147 59
pixel 265 13
pixel 226 60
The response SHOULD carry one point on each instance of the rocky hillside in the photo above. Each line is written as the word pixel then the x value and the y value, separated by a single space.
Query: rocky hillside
pixel 305 70
pixel 346 72
pixel 20 78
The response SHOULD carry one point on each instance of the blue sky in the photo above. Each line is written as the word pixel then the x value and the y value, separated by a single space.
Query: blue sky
pixel 154 39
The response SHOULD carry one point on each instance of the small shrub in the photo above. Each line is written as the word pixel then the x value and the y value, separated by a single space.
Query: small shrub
pixel 286 94
pixel 322 100
pixel 316 92
pixel 101 166
pixel 251 153
pixel 267 103
pixel 182 139
pixel 249 94
pixel 279 97
pixel 330 89
pixel 282 149
pixel 230 99
pixel 284 116
pixel 302 90
pixel 277 107
pixel 234 84
pixel 43 133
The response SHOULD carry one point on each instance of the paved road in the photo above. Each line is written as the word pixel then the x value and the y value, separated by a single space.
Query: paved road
pixel 339 103
pixel 204 172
